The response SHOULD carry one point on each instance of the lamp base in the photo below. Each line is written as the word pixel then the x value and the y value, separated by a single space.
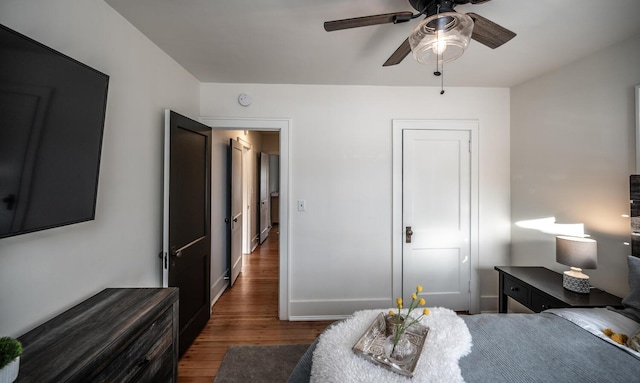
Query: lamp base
pixel 577 284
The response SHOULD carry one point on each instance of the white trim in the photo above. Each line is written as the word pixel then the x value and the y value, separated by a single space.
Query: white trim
pixel 397 230
pixel 247 203
pixel 165 200
pixel 218 288
pixel 318 318
pixel 283 126
pixel 245 144
pixel 337 307
pixel 489 304
pixel 637 111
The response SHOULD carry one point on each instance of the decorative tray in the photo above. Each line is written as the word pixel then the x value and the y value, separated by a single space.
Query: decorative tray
pixel 370 345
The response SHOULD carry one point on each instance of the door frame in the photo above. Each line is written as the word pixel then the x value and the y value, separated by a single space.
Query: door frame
pixel 282 126
pixel 247 149
pixel 262 164
pixel 397 229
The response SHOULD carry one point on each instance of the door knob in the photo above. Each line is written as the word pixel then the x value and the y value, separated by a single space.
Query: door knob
pixel 176 252
pixel 408 233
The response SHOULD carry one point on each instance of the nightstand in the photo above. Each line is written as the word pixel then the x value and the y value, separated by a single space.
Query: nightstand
pixel 539 288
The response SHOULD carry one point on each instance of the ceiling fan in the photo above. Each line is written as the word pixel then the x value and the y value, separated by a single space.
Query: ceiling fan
pixel 484 31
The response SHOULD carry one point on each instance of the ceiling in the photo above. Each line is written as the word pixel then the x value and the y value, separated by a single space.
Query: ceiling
pixel 284 42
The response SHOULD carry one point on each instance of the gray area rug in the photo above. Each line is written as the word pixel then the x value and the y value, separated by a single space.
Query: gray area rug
pixel 269 364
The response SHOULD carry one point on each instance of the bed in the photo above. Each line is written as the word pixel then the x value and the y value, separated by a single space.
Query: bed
pixel 548 347
pixel 557 345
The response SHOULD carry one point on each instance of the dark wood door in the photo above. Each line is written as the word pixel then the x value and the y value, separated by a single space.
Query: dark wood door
pixel 187 236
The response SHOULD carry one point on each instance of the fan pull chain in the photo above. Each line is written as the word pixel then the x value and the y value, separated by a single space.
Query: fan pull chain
pixel 439 60
pixel 440 73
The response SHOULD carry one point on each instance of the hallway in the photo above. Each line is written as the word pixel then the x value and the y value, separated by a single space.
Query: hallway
pixel 246 314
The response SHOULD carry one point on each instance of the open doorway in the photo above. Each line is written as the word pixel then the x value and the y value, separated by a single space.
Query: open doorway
pixel 260 136
pixel 260 185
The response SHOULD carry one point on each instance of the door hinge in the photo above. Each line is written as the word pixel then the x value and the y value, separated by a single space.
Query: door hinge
pixel 469 146
pixel 164 257
pixel 469 286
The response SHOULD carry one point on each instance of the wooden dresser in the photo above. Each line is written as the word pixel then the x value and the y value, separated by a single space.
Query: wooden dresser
pixel 118 335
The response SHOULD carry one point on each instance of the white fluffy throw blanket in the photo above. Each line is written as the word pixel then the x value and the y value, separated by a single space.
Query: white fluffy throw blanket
pixel 335 361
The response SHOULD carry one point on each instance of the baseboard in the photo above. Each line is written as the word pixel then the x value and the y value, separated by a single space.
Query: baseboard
pixel 337 309
pixel 219 287
pixel 318 318
pixel 340 309
pixel 489 304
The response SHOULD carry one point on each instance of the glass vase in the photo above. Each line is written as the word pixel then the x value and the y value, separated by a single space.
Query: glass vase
pixel 401 352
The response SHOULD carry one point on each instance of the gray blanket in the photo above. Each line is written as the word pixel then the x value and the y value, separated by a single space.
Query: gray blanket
pixel 541 348
pixel 530 348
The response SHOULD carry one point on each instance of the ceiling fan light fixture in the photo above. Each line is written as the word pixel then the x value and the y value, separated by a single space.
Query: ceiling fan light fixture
pixel 442 37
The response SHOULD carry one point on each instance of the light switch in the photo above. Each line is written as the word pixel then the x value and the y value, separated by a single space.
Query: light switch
pixel 302 205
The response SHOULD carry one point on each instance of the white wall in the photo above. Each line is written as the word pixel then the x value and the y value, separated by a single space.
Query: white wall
pixel 43 273
pixel 340 159
pixel 572 145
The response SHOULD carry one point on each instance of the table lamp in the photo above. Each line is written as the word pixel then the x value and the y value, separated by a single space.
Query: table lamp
pixel 578 253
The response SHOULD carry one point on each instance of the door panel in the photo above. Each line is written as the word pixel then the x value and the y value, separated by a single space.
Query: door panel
pixel 437 265
pixel 235 209
pixel 436 205
pixel 187 226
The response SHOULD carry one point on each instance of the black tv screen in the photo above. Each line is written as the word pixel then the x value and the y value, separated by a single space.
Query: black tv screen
pixel 52 111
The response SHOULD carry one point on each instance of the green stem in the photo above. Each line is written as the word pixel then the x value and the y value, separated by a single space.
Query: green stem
pixel 402 326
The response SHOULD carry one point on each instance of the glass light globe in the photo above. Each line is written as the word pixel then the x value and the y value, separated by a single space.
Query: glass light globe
pixel 441 38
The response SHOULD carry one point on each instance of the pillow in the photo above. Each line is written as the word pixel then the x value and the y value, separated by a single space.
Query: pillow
pixel 634 342
pixel 631 302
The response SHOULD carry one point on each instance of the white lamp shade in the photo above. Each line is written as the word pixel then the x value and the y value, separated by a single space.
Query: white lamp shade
pixel 441 38
pixel 577 252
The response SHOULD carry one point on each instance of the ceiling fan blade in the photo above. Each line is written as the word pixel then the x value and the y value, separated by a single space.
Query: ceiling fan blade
pixel 356 22
pixel 489 33
pixel 399 55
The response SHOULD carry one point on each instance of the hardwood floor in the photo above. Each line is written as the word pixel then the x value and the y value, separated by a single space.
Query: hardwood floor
pixel 246 314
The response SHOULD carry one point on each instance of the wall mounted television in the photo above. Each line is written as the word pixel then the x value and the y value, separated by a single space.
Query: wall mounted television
pixel 52 111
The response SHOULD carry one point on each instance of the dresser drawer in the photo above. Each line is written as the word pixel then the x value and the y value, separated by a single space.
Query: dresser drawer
pixel 142 360
pixel 541 302
pixel 159 370
pixel 516 290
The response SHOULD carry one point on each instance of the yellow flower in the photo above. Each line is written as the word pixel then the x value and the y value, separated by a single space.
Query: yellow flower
pixel 407 320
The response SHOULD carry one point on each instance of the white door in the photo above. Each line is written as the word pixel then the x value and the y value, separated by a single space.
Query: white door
pixel 235 209
pixel 436 215
pixel 265 216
